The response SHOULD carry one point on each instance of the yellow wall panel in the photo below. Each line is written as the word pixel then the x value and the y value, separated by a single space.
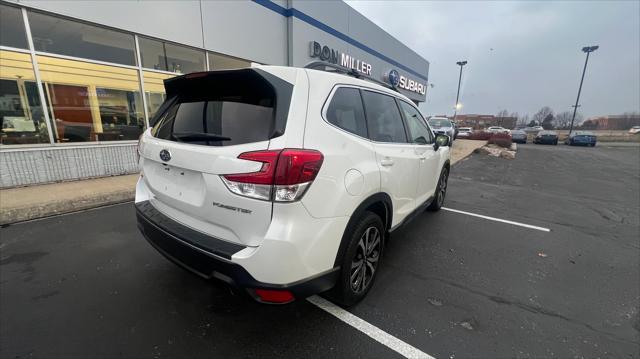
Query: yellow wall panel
pixel 153 81
pixel 16 65
pixel 62 71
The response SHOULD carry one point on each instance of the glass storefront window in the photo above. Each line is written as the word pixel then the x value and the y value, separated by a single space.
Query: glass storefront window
pixel 71 38
pixel 91 102
pixel 159 55
pixel 223 62
pixel 21 117
pixel 12 32
pixel 154 90
pixel 152 53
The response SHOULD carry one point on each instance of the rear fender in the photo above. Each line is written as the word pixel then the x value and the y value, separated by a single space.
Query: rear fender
pixel 378 198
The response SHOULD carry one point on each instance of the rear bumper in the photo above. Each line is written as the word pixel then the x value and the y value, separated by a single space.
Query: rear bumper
pixel 214 260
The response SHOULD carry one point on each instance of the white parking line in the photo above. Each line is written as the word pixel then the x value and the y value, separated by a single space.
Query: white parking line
pixel 498 220
pixel 369 329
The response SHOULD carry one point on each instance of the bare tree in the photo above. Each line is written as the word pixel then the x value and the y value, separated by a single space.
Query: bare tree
pixel 523 120
pixel 563 119
pixel 548 121
pixel 542 114
pixel 501 117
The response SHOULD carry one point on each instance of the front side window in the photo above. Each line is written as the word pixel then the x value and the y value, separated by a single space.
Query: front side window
pixel 65 37
pixel 418 130
pixel 383 118
pixel 346 111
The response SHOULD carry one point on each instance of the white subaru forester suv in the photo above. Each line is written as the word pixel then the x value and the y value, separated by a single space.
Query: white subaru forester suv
pixel 285 182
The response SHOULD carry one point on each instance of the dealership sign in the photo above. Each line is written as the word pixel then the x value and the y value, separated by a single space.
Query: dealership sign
pixel 324 53
pixel 397 80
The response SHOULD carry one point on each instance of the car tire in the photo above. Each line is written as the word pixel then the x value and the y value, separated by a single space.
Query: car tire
pixel 366 243
pixel 441 191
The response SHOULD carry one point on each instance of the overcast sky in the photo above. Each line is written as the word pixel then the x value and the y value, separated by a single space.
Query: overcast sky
pixel 522 55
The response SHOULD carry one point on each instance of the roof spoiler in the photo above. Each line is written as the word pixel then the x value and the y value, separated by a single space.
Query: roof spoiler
pixel 175 85
pixel 322 66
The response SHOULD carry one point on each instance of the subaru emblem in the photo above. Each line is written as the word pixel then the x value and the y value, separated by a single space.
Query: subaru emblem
pixel 165 155
pixel 393 77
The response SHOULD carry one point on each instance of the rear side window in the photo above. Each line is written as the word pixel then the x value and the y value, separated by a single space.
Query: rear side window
pixel 346 111
pixel 383 118
pixel 223 109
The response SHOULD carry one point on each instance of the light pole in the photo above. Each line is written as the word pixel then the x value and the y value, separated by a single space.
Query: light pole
pixel 588 50
pixel 461 64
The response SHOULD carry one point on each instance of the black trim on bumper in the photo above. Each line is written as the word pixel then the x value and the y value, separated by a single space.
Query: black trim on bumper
pixel 167 236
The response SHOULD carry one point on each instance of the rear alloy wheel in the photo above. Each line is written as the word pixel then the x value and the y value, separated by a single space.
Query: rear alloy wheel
pixel 441 191
pixel 360 261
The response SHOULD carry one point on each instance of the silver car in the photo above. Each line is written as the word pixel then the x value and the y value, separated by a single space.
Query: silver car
pixel 442 126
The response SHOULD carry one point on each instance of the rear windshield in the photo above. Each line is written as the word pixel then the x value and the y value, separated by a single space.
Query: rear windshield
pixel 219 110
pixel 437 123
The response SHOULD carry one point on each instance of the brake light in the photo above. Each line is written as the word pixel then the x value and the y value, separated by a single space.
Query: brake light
pixel 284 176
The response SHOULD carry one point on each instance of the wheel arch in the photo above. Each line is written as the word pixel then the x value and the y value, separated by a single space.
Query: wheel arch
pixel 378 203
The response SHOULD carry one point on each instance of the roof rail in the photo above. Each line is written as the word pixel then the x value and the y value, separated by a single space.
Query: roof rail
pixel 321 65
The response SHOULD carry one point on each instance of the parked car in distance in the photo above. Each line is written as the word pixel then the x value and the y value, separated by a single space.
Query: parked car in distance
pixel 583 138
pixel 533 129
pixel 546 137
pixel 285 182
pixel 519 136
pixel 498 129
pixel 464 132
pixel 634 130
pixel 442 126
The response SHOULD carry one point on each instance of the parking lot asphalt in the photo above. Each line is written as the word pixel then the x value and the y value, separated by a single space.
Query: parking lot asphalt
pixel 451 285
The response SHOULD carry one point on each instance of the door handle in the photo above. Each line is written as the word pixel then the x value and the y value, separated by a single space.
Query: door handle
pixel 386 162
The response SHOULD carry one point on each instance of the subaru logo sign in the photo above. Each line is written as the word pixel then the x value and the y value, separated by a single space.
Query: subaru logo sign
pixel 393 77
pixel 165 155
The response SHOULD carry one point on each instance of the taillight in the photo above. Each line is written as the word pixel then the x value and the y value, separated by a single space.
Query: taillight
pixel 284 176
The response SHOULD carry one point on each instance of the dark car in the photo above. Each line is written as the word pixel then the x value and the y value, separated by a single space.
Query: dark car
pixel 519 136
pixel 546 137
pixel 582 138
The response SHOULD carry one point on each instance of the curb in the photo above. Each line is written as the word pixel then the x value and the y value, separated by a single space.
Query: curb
pixel 21 214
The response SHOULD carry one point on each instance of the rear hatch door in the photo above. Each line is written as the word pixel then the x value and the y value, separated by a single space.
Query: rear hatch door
pixel 209 119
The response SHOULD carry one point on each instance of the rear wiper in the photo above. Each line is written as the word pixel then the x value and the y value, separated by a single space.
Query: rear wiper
pixel 199 136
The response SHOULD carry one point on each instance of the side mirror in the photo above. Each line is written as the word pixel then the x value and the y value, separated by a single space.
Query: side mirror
pixel 441 141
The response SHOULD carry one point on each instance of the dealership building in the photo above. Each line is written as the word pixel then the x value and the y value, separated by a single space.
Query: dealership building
pixel 80 80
